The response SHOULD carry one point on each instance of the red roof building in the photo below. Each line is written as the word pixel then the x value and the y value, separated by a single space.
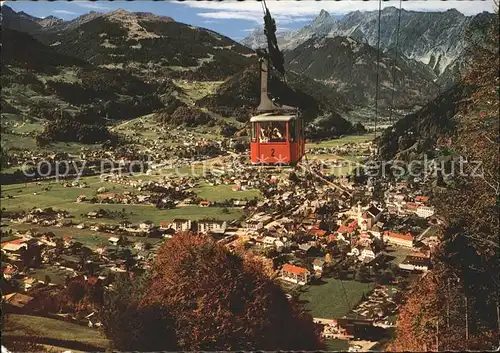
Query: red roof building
pixel 422 199
pixel 15 241
pixel 318 232
pixel 399 239
pixel 295 274
pixel 165 225
pixel 345 230
pixel 295 269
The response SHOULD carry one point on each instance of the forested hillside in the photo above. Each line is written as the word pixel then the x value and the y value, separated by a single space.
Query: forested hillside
pixel 354 69
pixel 456 305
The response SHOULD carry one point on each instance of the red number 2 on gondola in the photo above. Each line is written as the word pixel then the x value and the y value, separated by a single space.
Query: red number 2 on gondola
pixel 272 152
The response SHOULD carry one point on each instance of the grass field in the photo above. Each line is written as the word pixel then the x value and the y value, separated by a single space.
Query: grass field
pixel 341 141
pixel 197 89
pixel 220 193
pixel 333 345
pixel 62 198
pixel 398 253
pixel 36 326
pixel 328 300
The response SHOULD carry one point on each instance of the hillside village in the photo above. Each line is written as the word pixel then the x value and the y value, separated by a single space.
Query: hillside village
pixel 311 228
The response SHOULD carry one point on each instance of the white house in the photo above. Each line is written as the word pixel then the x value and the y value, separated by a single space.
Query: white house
pixel 354 252
pixel 279 244
pixel 367 255
pixel 254 225
pixel 114 240
pixel 146 226
pixel 376 232
pixel 425 211
pixel 212 226
pixel 269 241
pixel 415 263
pixel 181 225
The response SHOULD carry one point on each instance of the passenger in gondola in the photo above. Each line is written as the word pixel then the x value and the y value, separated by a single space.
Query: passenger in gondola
pixel 265 134
pixel 276 135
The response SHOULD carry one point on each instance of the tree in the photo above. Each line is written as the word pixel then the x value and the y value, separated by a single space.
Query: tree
pixel 377 245
pixel 363 297
pixel 130 326
pixel 221 301
pixel 363 274
pixel 126 255
pixel 386 277
pixel 76 289
pixel 4 158
pixel 31 256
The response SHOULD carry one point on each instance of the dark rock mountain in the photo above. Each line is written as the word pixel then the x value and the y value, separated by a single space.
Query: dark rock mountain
pixel 44 22
pixel 475 35
pixel 319 27
pixel 434 38
pixel 23 22
pixel 257 39
pixel 72 24
pixel 18 21
pixel 49 21
pixel 350 68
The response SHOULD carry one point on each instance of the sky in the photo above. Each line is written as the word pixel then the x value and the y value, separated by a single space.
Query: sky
pixel 236 19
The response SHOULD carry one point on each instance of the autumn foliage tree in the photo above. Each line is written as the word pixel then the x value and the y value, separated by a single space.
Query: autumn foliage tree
pixel 221 301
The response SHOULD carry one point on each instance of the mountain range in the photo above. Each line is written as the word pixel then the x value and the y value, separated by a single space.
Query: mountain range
pixel 436 39
pixel 143 43
pixel 124 64
pixel 120 65
pixel 351 68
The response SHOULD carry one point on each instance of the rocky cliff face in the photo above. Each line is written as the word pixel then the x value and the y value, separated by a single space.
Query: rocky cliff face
pixel 437 39
pixel 434 38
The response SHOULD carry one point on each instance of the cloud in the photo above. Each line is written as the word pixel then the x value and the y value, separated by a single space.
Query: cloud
pixel 90 5
pixel 253 16
pixel 64 12
pixel 292 11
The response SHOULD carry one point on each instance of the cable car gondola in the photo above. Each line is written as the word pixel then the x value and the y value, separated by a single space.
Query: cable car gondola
pixel 277 138
pixel 277 132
